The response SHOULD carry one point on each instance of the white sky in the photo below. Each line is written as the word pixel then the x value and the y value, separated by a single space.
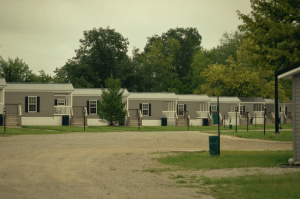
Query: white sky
pixel 45 33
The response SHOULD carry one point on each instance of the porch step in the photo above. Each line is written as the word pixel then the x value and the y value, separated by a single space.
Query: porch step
pixel 78 121
pixel 181 122
pixel 12 120
pixel 133 121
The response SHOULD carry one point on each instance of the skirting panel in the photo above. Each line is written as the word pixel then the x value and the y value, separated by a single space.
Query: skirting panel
pixel 97 122
pixel 42 121
pixel 232 122
pixel 258 120
pixel 196 122
pixel 152 122
pixel 170 122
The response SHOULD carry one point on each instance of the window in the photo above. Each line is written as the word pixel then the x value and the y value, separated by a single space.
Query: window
pixel 32 104
pixel 213 108
pixel 60 102
pixel 241 108
pixel 180 109
pixel 145 109
pixel 93 107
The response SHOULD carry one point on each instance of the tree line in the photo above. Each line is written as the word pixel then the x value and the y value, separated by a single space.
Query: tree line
pixel 243 64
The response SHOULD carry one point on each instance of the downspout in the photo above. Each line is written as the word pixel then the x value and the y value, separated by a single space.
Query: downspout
pixel 276 103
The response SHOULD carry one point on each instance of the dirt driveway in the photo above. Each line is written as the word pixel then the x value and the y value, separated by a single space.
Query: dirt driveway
pixel 101 165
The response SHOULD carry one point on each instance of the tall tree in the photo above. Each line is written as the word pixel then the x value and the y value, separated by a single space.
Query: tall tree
pixel 15 70
pixel 189 40
pixel 111 107
pixel 100 53
pixel 273 27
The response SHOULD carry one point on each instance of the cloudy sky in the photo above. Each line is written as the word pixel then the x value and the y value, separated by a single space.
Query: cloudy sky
pixel 45 33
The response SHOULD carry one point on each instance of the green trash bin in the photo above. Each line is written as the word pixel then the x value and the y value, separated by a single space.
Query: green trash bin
pixel 214 145
pixel 230 126
pixel 164 121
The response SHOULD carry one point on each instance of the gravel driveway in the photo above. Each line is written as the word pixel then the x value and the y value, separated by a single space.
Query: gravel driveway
pixel 101 165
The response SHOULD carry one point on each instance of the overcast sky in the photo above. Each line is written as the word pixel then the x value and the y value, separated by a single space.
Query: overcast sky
pixel 45 33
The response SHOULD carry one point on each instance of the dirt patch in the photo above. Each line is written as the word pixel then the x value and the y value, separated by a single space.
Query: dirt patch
pixel 105 165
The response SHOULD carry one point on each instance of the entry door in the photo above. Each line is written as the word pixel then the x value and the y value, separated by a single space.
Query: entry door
pixel 215 117
pixel 180 109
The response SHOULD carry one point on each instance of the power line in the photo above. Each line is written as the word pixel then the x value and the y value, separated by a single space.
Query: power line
pixel 34 52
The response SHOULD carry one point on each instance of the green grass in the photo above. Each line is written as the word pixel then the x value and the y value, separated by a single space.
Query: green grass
pixel 228 159
pixel 284 136
pixel 256 186
pixel 36 130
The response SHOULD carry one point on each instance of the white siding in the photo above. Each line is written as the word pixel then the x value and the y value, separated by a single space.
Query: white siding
pixel 42 121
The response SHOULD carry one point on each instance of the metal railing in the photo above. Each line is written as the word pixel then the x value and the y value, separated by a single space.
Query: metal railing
pixel 62 110
pixel 168 114
pixel 203 114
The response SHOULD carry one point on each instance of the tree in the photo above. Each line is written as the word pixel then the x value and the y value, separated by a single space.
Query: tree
pixel 43 77
pixel 189 41
pixel 100 54
pixel 158 61
pixel 273 26
pixel 111 108
pixel 15 70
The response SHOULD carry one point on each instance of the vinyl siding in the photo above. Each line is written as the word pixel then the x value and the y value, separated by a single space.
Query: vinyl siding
pixel 157 106
pixel 81 101
pixel 296 118
pixel 46 102
pixel 191 108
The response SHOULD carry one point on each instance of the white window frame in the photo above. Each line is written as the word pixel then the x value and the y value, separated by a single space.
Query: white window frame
pixel 214 107
pixel 145 109
pixel 179 111
pixel 58 103
pixel 92 107
pixel 32 104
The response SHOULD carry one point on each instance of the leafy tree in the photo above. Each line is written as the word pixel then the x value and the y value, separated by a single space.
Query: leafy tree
pixel 100 53
pixel 229 46
pixel 158 61
pixel 189 41
pixel 111 107
pixel 15 70
pixel 43 77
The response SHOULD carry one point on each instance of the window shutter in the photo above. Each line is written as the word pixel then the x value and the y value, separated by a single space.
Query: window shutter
pixel 65 102
pixel 149 109
pixel 38 104
pixel 279 109
pixel 26 104
pixel 55 102
pixel 177 107
pixel 286 109
pixel 244 109
pixel 140 106
pixel 97 106
pixel 88 107
pixel 185 107
pixel 210 109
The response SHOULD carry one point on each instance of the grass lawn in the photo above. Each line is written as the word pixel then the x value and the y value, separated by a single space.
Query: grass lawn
pixel 35 130
pixel 284 136
pixel 255 186
pixel 228 159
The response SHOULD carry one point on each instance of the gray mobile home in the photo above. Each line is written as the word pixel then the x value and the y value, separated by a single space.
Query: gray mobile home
pixel 85 101
pixel 254 106
pixel 194 108
pixel 294 74
pixel 151 107
pixel 227 110
pixel 34 103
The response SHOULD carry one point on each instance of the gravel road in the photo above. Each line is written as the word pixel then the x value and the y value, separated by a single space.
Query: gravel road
pixel 102 165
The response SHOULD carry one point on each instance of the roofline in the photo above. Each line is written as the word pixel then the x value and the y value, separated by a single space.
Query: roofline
pixel 287 69
pixel 50 91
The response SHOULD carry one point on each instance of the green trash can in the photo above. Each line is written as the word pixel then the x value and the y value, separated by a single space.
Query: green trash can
pixel 164 121
pixel 230 126
pixel 214 145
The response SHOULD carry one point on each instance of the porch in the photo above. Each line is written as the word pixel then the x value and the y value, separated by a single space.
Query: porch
pixel 65 107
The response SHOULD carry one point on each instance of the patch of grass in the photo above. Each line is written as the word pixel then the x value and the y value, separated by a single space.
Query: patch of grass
pixel 256 186
pixel 284 136
pixel 181 181
pixel 157 170
pixel 228 159
pixel 176 177
pixel 128 153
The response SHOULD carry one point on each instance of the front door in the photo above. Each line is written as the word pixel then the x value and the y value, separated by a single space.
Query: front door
pixel 215 117
pixel 180 109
